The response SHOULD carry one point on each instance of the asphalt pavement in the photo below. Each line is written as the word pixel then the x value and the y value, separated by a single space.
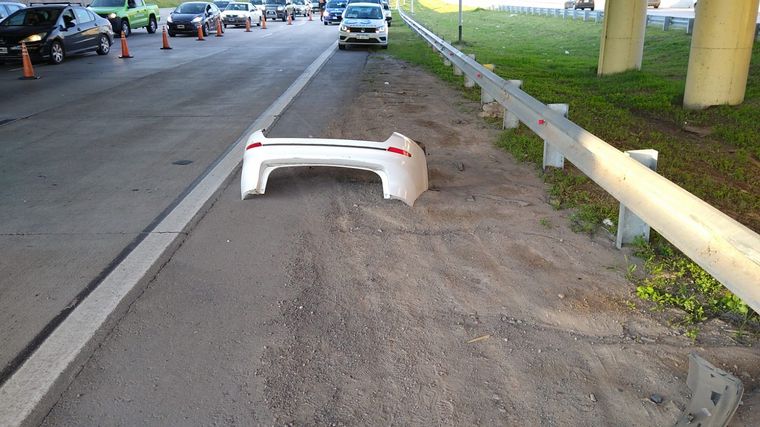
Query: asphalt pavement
pixel 96 149
pixel 183 354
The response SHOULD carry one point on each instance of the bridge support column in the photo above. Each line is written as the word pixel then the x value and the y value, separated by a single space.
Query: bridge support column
pixel 622 44
pixel 721 47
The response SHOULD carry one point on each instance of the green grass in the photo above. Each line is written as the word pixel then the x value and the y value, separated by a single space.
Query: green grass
pixel 557 59
pixel 165 3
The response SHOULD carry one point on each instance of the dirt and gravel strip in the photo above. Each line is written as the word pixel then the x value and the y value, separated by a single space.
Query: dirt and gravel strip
pixel 478 306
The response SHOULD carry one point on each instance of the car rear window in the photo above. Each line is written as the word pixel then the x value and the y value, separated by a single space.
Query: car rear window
pixel 336 5
pixel 238 6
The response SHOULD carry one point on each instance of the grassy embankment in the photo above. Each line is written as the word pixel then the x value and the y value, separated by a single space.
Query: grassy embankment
pixel 714 154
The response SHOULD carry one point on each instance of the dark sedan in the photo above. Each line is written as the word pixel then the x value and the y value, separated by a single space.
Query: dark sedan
pixel 54 31
pixel 188 17
pixel 333 12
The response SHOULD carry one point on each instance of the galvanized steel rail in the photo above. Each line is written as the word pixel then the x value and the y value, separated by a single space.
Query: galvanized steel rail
pixel 726 249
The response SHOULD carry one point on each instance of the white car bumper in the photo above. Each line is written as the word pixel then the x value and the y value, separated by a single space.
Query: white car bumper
pixel 399 161
pixel 356 38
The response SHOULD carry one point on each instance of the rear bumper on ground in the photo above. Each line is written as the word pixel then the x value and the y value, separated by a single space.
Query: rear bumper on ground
pixel 399 162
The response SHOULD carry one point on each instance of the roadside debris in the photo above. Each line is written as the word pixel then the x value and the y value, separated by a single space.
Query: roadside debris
pixel 479 339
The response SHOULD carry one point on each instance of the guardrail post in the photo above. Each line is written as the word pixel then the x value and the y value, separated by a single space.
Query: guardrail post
pixel 485 97
pixel 597 16
pixel 630 226
pixel 564 13
pixel 552 156
pixel 510 120
pixel 666 23
pixel 690 26
pixel 468 82
pixel 586 13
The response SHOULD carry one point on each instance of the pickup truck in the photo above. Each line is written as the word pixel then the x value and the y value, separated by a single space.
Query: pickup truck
pixel 126 15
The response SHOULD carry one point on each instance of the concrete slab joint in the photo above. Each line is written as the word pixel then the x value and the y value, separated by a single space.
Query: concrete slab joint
pixel 630 226
pixel 552 156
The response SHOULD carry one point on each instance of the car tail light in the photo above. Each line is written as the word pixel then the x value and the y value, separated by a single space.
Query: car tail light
pixel 254 145
pixel 399 151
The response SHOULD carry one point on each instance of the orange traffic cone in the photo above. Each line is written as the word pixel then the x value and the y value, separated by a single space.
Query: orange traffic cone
pixel 166 40
pixel 124 48
pixel 248 25
pixel 219 29
pixel 290 20
pixel 200 34
pixel 28 70
pixel 264 22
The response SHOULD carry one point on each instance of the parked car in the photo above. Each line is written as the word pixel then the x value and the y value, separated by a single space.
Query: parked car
pixel 187 17
pixel 301 7
pixel 52 32
pixel 569 4
pixel 387 12
pixel 363 24
pixel 279 9
pixel 654 3
pixel 7 7
pixel 221 4
pixel 126 15
pixel 584 4
pixel 314 5
pixel 333 11
pixel 259 5
pixel 237 13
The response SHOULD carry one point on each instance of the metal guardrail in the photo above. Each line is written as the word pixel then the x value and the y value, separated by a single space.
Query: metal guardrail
pixel 665 22
pixel 726 249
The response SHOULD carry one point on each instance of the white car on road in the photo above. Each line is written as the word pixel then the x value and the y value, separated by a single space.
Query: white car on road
pixel 363 25
pixel 237 13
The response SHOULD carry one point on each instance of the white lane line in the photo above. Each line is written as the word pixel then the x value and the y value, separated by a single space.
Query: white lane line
pixel 27 397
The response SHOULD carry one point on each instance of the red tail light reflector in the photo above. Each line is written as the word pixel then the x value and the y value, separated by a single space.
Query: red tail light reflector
pixel 254 145
pixel 399 151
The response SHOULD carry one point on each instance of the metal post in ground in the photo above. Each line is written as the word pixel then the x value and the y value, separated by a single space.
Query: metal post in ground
pixel 630 226
pixel 460 21
pixel 552 156
pixel 510 119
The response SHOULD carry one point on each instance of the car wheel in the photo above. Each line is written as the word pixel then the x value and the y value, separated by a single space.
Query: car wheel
pixel 225 25
pixel 342 47
pixel 258 24
pixel 104 46
pixel 125 28
pixel 56 53
pixel 327 23
pixel 205 29
pixel 172 33
pixel 152 25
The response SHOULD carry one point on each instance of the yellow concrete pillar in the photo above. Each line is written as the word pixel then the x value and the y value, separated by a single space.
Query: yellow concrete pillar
pixel 721 48
pixel 622 45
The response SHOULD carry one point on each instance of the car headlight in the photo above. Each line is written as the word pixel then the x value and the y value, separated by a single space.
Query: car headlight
pixel 279 8
pixel 169 19
pixel 343 28
pixel 111 15
pixel 34 38
pixel 197 19
pixel 381 29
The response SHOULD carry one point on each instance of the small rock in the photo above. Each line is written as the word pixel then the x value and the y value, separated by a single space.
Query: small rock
pixel 460 166
pixel 386 83
pixel 592 397
pixel 656 398
pixel 561 296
